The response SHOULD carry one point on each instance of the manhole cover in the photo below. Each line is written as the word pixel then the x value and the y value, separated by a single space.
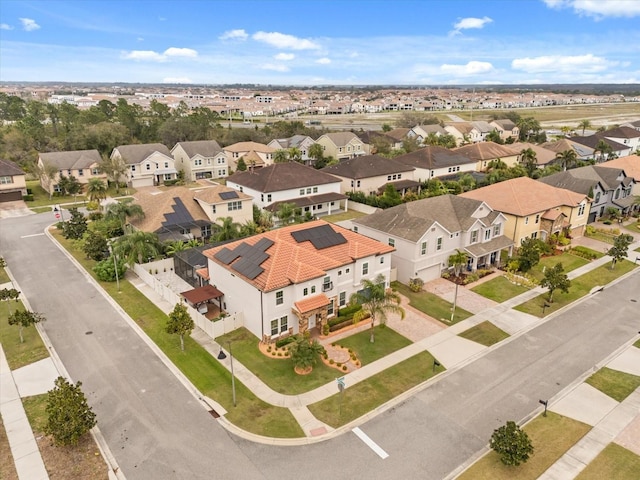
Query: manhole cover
pixel 88 333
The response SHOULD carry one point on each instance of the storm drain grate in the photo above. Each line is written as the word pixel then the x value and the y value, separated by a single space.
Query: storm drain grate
pixel 214 414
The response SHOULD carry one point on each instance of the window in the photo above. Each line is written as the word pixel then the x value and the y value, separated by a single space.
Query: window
pixel 6 180
pixel 526 220
pixel 339 273
pixel 148 165
pixel 237 205
pixel 284 323
pixel 308 190
pixel 474 236
pixel 274 327
pixel 279 297
pixel 68 172
pixel 305 292
pixel 262 197
pixel 167 176
pixel 496 230
pixel 315 189
pixel 347 270
pixel 487 234
pixel 205 231
pixel 392 242
pixel 81 173
pixel 358 183
pixel 326 284
pixel 355 229
pixel 166 164
pixel 581 210
pixel 597 197
pixel 423 248
pixel 538 218
pixel 95 171
pixel 302 191
pixel 313 289
pixel 197 162
pixel 268 197
pixel 439 243
pixel 330 308
pixel 534 235
pixel 213 209
pixel 133 168
pixel 381 260
pixel 343 299
pixel 365 268
pixel 616 197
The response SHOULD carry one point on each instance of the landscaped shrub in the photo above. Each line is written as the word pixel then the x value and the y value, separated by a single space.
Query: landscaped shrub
pixel 281 342
pixel 583 252
pixel 416 284
pixel 169 183
pixel 325 329
pixel 338 326
pixel 349 310
pixel 28 197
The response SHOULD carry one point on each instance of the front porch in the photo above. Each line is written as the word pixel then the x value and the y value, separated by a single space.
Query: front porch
pixel 488 254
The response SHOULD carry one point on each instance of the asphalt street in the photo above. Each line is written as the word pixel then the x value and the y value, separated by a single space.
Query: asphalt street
pixel 156 429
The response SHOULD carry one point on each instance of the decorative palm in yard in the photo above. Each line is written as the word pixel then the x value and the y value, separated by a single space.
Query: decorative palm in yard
pixel 377 301
pixel 304 353
pixel 137 247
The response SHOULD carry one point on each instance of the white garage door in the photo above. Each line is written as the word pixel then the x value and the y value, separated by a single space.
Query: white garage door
pixel 142 182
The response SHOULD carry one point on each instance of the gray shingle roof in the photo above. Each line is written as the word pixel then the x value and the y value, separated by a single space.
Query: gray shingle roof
pixel 411 220
pixel 583 179
pixel 282 176
pixel 72 160
pixel 367 166
pixel 433 157
pixel 206 148
pixel 9 169
pixel 133 154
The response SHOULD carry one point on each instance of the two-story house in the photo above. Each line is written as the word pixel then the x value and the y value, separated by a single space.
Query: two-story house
pixel 631 166
pixel 292 279
pixel 370 173
pixel 200 159
pixel 468 132
pixel 583 152
pixel 219 202
pixel 255 155
pixel 506 128
pixel 12 182
pixel 608 187
pixel 421 132
pixel 433 161
pixel 624 136
pixel 614 149
pixel 147 164
pixel 534 209
pixel 313 191
pixel 301 142
pixel 83 165
pixel 484 152
pixel 342 145
pixel 425 233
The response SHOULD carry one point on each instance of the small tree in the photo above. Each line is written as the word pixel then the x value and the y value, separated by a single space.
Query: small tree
pixel 95 246
pixel 620 248
pixel 25 318
pixel 105 269
pixel 304 353
pixel 457 261
pixel 180 322
pixel 512 444
pixel 76 226
pixel 528 254
pixel 69 416
pixel 555 279
pixel 8 294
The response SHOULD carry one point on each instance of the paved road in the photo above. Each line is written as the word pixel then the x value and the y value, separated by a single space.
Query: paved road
pixel 157 430
pixel 153 426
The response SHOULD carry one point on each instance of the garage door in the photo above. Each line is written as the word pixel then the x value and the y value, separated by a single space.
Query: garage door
pixel 10 196
pixel 142 182
pixel 430 273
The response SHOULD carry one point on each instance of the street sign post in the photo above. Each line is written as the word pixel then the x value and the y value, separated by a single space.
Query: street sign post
pixel 340 382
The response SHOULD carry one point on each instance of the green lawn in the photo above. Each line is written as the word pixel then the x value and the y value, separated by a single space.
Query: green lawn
pixel 569 262
pixel 637 344
pixel 35 408
pixel 614 462
pixel 618 385
pixel 431 304
pixel 202 369
pixel 369 394
pixel 603 237
pixel 41 197
pixel 387 341
pixel 499 289
pixel 4 277
pixel 485 333
pixel 580 286
pixel 551 437
pixel 19 354
pixel 633 227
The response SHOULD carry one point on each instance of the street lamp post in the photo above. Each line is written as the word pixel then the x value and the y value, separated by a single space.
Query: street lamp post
pixel 115 266
pixel 233 378
pixel 455 300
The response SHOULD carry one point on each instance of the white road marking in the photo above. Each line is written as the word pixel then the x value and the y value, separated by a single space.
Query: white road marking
pixel 370 443
pixel 34 235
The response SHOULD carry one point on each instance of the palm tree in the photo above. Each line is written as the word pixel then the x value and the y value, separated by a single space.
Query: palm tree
pixel 137 247
pixel 304 353
pixel 529 161
pixel 457 261
pixel 124 210
pixel 248 228
pixel 316 151
pixel 115 169
pixel 285 213
pixel 295 154
pixel 280 156
pixel 172 248
pixel 604 148
pixel 228 229
pixel 567 159
pixel 376 301
pixel 584 124
pixel 96 190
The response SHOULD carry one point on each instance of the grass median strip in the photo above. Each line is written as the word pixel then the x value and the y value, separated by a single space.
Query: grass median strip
pixel 551 437
pixel 369 394
pixel 618 385
pixel 499 289
pixel 485 333
pixel 203 370
pixel 614 462
pixel 4 277
pixel 431 304
pixel 580 287
pixel 19 354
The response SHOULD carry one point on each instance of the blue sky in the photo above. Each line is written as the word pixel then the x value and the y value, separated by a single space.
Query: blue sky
pixel 313 42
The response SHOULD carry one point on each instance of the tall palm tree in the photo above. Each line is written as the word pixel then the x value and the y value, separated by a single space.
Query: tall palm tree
pixel 604 148
pixel 96 190
pixel 280 156
pixel 584 124
pixel 528 159
pixel 377 301
pixel 228 229
pixel 457 261
pixel 137 247
pixel 285 213
pixel 295 154
pixel 248 228
pixel 115 169
pixel 172 248
pixel 567 158
pixel 124 210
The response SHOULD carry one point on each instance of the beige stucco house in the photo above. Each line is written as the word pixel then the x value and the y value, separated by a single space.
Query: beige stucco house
pixel 80 164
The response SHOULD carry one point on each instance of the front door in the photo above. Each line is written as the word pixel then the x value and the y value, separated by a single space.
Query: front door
pixel 312 321
pixel 493 258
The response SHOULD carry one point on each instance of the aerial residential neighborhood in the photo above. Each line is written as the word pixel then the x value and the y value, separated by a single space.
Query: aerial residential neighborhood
pixel 266 241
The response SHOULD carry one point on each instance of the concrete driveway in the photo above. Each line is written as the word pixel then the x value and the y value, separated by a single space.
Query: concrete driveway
pixel 14 209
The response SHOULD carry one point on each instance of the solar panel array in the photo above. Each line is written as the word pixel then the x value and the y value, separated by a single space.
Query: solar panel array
pixel 228 195
pixel 179 216
pixel 250 257
pixel 321 237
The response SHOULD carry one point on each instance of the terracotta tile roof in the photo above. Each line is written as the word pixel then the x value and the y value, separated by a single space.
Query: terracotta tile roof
pixel 543 155
pixel 290 262
pixel 552 214
pixel 203 272
pixel 311 303
pixel 524 196
pixel 630 165
pixel 212 195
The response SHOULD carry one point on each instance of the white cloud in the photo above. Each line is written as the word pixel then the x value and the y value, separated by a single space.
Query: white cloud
pixel 281 40
pixel 275 67
pixel 285 56
pixel 180 52
pixel 5 26
pixel 558 63
pixel 144 55
pixel 324 61
pixel 29 25
pixel 177 80
pixel 471 68
pixel 470 22
pixel 599 8
pixel 238 34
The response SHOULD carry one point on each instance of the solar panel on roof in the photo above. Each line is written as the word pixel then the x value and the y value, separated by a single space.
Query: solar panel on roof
pixel 226 256
pixel 179 216
pixel 250 257
pixel 263 244
pixel 322 236
pixel 247 268
pixel 228 195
